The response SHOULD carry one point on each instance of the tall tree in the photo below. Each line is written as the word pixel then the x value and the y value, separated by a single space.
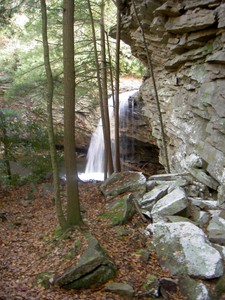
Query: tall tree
pixel 117 88
pixel 102 89
pixel 106 123
pixel 51 135
pixel 73 204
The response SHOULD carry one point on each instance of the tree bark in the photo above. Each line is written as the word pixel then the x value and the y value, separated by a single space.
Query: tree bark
pixel 106 123
pixel 100 89
pixel 73 204
pixel 117 88
pixel 51 136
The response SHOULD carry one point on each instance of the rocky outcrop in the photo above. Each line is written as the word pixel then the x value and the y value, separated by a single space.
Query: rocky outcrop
pixel 186 42
pixel 186 226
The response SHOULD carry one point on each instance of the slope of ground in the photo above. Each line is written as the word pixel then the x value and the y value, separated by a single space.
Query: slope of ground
pixel 31 246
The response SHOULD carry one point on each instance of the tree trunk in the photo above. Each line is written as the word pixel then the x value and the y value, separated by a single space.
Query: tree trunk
pixel 106 123
pixel 51 136
pixel 6 156
pixel 73 204
pixel 100 89
pixel 117 88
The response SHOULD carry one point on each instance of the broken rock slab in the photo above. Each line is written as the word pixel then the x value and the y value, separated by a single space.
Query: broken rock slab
pixel 183 248
pixel 151 197
pixel 93 268
pixel 119 183
pixel 216 230
pixel 221 196
pixel 204 178
pixel 203 204
pixel 171 204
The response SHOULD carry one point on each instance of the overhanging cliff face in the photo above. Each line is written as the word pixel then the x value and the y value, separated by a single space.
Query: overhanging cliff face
pixel 187 42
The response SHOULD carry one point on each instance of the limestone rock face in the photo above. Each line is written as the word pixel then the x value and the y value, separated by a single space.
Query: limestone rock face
pixel 186 42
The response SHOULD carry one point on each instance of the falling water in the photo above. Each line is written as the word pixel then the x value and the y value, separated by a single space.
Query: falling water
pixel 95 157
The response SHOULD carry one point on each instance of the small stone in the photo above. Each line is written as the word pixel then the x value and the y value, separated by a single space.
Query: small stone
pixel 122 289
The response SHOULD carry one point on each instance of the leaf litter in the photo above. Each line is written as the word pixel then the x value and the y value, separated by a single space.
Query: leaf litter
pixel 33 248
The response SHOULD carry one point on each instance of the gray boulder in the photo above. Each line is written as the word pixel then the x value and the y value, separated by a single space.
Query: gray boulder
pixel 193 290
pixel 119 210
pixel 183 248
pixel 151 197
pixel 171 204
pixel 203 204
pixel 119 183
pixel 201 217
pixel 221 196
pixel 216 230
pixel 93 268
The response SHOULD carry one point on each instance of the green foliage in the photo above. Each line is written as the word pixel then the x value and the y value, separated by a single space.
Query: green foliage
pixel 21 53
pixel 9 139
pixel 24 139
pixel 73 251
pixel 23 72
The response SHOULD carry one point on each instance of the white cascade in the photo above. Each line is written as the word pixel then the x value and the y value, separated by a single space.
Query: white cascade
pixel 95 157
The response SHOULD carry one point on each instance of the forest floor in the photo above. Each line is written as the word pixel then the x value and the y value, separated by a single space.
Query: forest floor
pixel 32 247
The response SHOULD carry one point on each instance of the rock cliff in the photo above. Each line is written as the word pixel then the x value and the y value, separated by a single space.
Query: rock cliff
pixel 186 42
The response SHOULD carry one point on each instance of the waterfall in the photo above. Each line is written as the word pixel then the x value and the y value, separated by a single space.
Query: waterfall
pixel 95 156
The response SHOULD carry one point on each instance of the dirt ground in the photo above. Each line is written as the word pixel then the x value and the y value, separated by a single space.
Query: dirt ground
pixel 32 246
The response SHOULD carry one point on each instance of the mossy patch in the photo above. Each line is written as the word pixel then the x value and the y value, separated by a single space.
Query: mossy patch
pixel 151 285
pixel 73 251
pixel 119 211
pixel 220 287
pixel 43 279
